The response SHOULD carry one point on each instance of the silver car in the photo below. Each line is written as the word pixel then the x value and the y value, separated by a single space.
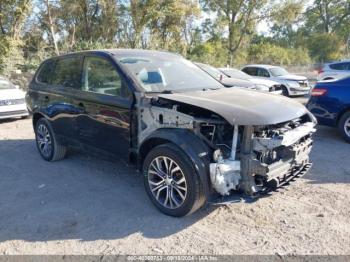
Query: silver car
pixel 12 102
pixel 264 85
pixel 334 70
pixel 292 85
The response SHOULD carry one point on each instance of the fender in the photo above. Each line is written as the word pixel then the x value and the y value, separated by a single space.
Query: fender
pixel 192 145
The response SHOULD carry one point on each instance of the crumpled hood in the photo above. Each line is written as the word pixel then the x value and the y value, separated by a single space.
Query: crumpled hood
pixel 292 77
pixel 241 106
pixel 7 94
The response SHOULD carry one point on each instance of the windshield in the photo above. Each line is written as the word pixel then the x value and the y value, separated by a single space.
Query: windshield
pixel 4 84
pixel 235 73
pixel 210 70
pixel 168 73
pixel 278 71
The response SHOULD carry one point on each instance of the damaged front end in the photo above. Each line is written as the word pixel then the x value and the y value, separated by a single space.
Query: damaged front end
pixel 267 157
pixel 252 158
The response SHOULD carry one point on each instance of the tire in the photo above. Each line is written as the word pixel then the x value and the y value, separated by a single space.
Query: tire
pixel 344 126
pixel 172 199
pixel 53 151
pixel 285 91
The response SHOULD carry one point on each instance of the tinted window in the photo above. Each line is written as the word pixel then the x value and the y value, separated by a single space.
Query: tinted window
pixel 68 72
pixel 250 71
pixel 100 76
pixel 263 72
pixel 45 73
pixel 340 66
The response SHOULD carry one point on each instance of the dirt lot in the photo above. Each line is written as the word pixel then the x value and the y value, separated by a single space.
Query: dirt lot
pixel 84 205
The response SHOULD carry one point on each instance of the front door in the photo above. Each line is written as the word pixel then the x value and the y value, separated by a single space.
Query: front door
pixel 106 102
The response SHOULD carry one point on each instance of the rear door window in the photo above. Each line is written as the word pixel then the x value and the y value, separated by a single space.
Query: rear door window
pixel 250 71
pixel 68 72
pixel 46 71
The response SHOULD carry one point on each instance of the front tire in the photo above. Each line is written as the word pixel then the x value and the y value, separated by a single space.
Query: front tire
pixel 46 141
pixel 285 91
pixel 171 181
pixel 344 126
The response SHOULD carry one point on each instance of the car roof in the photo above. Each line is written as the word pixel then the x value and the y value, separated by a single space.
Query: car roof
pixel 260 66
pixel 119 53
pixel 338 62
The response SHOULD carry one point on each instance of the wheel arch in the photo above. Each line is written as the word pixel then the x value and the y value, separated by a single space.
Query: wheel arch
pixel 188 142
pixel 344 111
pixel 36 117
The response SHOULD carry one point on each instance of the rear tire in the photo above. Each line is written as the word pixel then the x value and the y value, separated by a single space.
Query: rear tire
pixel 171 181
pixel 46 140
pixel 344 126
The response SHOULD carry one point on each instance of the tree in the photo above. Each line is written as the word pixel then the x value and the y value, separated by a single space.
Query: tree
pixel 240 16
pixel 12 18
pixel 328 16
pixel 325 47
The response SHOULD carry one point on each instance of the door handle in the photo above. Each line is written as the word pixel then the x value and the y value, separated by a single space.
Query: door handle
pixel 81 107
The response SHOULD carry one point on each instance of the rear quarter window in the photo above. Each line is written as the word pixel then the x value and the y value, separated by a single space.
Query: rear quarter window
pixel 45 73
pixel 250 71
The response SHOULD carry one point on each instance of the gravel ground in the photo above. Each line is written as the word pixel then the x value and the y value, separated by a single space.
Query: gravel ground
pixel 89 205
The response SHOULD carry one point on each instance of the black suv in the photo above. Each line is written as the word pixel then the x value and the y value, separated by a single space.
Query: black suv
pixel 191 137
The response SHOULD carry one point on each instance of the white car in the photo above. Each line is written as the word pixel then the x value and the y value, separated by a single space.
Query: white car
pixel 292 85
pixel 334 70
pixel 12 103
pixel 261 84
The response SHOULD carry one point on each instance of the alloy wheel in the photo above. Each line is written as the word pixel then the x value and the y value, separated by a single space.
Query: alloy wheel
pixel 167 182
pixel 347 127
pixel 44 140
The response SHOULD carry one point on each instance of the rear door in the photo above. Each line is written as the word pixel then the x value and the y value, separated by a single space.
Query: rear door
pixel 58 79
pixel 106 101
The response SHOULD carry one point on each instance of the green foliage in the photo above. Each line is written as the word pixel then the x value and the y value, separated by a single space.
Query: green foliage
pixel 227 35
pixel 272 54
pixel 213 53
pixel 325 47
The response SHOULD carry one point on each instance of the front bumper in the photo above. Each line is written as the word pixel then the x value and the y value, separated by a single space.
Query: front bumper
pixel 283 179
pixel 13 111
pixel 299 90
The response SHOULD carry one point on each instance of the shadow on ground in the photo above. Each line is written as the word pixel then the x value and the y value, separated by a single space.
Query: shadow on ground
pixel 330 156
pixel 90 198
pixel 81 197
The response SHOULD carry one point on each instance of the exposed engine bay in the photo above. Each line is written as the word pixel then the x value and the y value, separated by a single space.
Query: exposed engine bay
pixel 249 158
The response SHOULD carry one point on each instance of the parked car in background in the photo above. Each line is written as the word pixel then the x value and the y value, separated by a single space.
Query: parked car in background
pixel 292 85
pixel 192 139
pixel 12 102
pixel 223 79
pixel 260 83
pixel 334 70
pixel 330 103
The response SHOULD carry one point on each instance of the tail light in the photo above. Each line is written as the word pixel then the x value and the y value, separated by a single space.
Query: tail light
pixel 318 92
